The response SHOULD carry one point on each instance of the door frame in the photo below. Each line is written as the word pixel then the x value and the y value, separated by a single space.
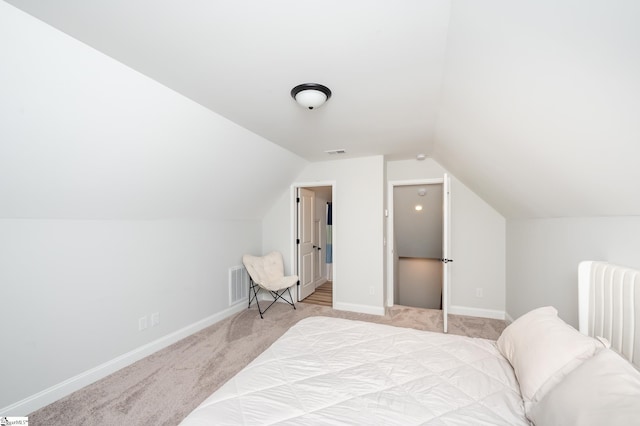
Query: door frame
pixel 390 237
pixel 294 229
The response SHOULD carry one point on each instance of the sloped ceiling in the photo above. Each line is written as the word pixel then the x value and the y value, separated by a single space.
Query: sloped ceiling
pixel 533 104
pixel 541 103
pixel 83 137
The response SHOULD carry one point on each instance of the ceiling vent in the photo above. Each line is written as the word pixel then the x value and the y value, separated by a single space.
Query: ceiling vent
pixel 336 151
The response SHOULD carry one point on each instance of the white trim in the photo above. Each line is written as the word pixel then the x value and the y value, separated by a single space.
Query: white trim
pixel 66 387
pixel 508 318
pixel 362 309
pixel 323 282
pixel 412 182
pixel 476 312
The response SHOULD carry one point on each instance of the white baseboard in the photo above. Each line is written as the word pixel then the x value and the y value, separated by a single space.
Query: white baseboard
pixel 62 389
pixel 362 309
pixel 320 282
pixel 477 312
pixel 508 318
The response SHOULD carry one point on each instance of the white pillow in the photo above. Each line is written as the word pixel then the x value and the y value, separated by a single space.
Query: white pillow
pixel 542 349
pixel 604 390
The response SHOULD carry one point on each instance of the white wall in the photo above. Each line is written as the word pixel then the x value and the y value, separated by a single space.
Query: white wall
pixel 73 290
pixel 478 242
pixel 357 229
pixel 119 198
pixel 543 257
pixel 276 229
pixel 418 233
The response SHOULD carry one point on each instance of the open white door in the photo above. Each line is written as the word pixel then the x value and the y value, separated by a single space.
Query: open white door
pixel 446 249
pixel 317 258
pixel 306 207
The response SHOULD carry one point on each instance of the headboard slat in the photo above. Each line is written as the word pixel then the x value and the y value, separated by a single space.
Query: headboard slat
pixel 609 296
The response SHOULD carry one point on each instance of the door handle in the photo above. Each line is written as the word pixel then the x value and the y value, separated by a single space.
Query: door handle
pixel 446 260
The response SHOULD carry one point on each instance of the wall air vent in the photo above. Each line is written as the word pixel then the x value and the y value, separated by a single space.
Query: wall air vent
pixel 238 285
pixel 336 151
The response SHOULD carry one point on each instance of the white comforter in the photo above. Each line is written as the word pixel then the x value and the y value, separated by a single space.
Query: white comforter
pixel 335 371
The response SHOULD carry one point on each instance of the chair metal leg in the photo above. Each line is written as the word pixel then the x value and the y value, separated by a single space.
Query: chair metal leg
pixel 256 289
pixel 291 297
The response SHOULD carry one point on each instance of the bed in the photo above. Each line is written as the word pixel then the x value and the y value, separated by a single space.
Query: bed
pixel 335 371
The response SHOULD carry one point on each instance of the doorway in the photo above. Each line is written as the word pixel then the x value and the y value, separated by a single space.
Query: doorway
pixel 418 245
pixel 425 259
pixel 313 241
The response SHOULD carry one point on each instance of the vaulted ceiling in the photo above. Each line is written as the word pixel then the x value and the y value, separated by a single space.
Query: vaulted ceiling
pixel 533 104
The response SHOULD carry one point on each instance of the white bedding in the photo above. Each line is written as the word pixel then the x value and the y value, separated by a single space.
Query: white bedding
pixel 335 371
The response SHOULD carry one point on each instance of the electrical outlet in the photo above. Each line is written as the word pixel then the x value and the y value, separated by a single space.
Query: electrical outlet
pixel 479 292
pixel 155 319
pixel 142 323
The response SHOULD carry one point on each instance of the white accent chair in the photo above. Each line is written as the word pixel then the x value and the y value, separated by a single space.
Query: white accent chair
pixel 267 273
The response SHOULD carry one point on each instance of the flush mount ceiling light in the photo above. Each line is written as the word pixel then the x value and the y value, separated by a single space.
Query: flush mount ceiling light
pixel 311 95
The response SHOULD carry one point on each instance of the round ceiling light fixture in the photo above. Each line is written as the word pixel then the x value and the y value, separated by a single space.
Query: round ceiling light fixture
pixel 311 95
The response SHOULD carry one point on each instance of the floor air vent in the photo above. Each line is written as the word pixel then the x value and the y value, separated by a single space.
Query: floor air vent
pixel 238 285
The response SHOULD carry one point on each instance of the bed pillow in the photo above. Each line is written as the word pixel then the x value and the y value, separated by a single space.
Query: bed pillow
pixel 542 349
pixel 604 390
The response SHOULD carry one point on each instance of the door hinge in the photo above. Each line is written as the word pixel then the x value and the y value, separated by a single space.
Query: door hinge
pixel 298 241
pixel 298 283
pixel 297 199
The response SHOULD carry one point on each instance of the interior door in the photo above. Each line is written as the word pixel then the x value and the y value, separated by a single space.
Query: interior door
pixel 446 247
pixel 306 207
pixel 317 251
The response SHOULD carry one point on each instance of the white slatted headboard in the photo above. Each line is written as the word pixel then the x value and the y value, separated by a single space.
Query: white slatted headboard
pixel 609 306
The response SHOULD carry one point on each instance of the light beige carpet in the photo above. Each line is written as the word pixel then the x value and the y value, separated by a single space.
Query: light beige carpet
pixel 164 387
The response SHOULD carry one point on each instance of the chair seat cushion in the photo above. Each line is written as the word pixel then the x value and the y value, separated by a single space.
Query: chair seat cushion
pixel 280 284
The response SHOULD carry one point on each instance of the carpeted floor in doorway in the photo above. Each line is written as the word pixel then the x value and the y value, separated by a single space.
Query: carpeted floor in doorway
pixel 164 387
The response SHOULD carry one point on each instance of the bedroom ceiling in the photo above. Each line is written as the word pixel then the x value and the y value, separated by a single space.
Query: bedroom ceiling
pixel 534 105
pixel 382 60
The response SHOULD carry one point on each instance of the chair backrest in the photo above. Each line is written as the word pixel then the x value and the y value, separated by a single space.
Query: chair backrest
pixel 264 269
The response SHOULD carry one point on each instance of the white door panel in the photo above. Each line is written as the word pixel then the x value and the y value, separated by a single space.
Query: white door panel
pixel 306 207
pixel 446 248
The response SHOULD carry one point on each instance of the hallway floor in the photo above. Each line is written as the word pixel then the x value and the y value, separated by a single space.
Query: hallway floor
pixel 323 295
